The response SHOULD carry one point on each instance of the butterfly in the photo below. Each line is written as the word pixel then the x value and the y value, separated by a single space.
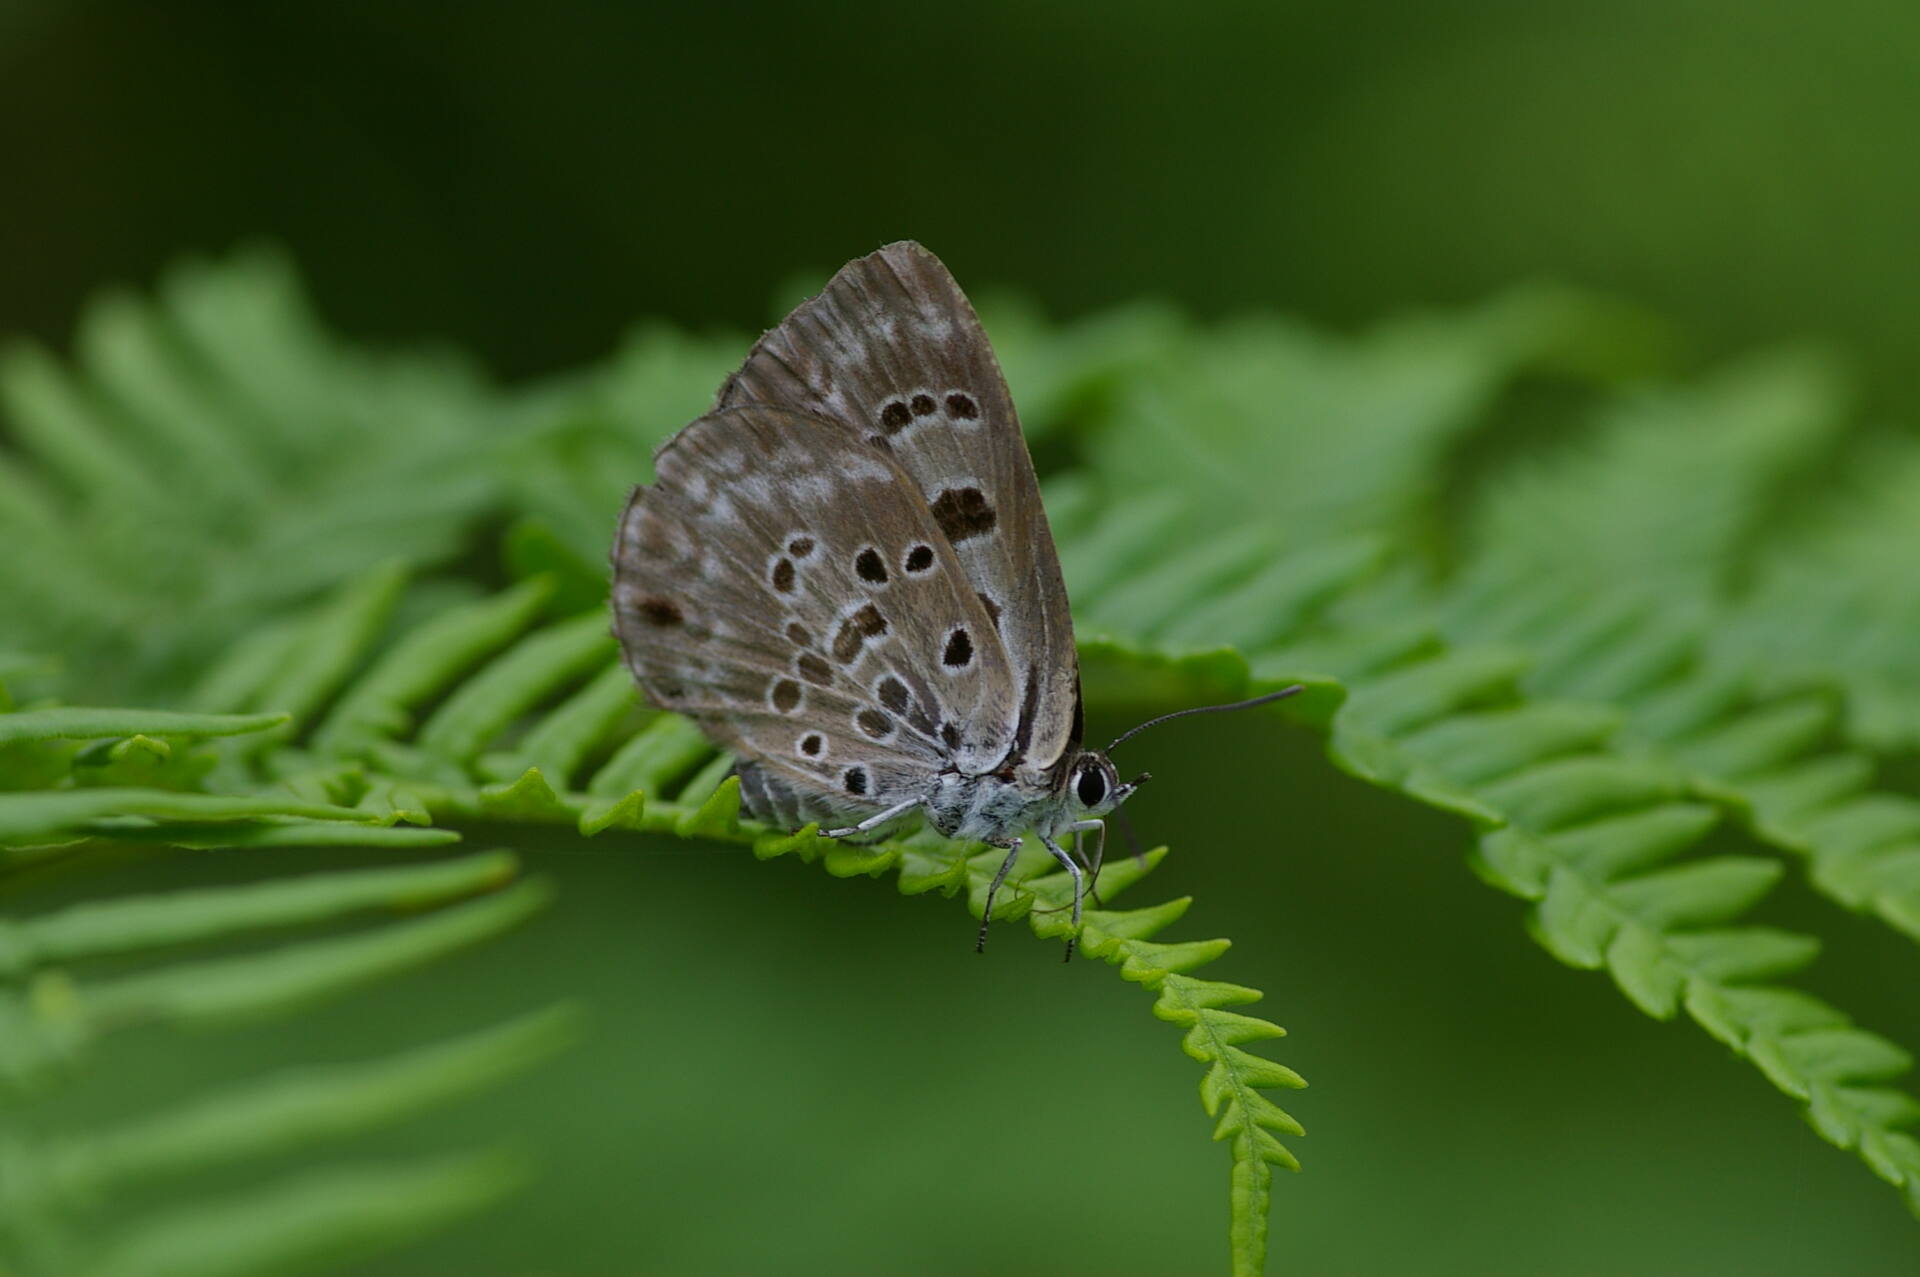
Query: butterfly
pixel 843 575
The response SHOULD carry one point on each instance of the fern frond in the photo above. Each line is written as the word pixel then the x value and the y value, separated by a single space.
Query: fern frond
pixel 1314 436
pixel 55 793
pixel 1835 602
pixel 52 804
pixel 1775 757
pixel 1664 497
pixel 1633 603
pixel 1597 587
pixel 74 722
pixel 582 442
pixel 331 1216
pixel 381 699
pixel 97 927
pixel 291 1110
pixel 1574 811
pixel 77 1173
pixel 1634 650
pixel 213 458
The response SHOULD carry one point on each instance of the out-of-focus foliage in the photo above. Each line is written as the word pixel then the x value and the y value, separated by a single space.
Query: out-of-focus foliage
pixel 1530 580
pixel 74 781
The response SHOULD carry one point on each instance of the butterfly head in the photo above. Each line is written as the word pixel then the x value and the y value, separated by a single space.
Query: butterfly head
pixel 1094 787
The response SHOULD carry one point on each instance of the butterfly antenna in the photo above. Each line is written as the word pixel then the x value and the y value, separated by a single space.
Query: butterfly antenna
pixel 1270 697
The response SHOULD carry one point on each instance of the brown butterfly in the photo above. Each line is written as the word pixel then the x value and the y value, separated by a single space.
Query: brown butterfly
pixel 843 574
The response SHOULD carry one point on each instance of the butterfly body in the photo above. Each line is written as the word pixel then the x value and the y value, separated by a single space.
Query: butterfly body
pixel 843 574
pixel 999 805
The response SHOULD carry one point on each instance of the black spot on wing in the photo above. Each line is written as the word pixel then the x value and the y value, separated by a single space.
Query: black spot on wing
pixel 959 652
pixel 855 631
pixel 655 610
pixel 963 513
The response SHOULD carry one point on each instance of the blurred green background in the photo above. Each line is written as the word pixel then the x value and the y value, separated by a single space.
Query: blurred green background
pixel 528 181
pixel 840 1086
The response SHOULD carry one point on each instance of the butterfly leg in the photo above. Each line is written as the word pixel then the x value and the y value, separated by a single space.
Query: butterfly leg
pixel 1099 854
pixel 1072 866
pixel 993 889
pixel 874 821
pixel 1092 867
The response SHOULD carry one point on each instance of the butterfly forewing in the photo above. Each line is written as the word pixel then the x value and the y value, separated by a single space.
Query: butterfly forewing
pixel 893 350
pixel 784 584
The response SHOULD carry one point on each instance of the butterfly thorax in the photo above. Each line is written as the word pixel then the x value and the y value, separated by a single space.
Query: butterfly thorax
pixel 999 805
pixel 992 806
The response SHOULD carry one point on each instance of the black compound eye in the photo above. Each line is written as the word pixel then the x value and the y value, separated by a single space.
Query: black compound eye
pixel 1091 787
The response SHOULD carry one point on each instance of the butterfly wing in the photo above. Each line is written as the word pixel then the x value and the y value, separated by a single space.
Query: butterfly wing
pixel 784 585
pixel 893 349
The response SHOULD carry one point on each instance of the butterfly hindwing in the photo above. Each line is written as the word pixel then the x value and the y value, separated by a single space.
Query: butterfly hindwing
pixel 784 585
pixel 893 350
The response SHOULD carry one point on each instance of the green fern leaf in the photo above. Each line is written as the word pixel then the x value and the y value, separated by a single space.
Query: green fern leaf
pixel 329 1216
pixel 56 1019
pixel 214 458
pixel 1635 649
pixel 1588 826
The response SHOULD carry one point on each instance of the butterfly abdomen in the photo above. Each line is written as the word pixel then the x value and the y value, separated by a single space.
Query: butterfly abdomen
pixel 770 800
